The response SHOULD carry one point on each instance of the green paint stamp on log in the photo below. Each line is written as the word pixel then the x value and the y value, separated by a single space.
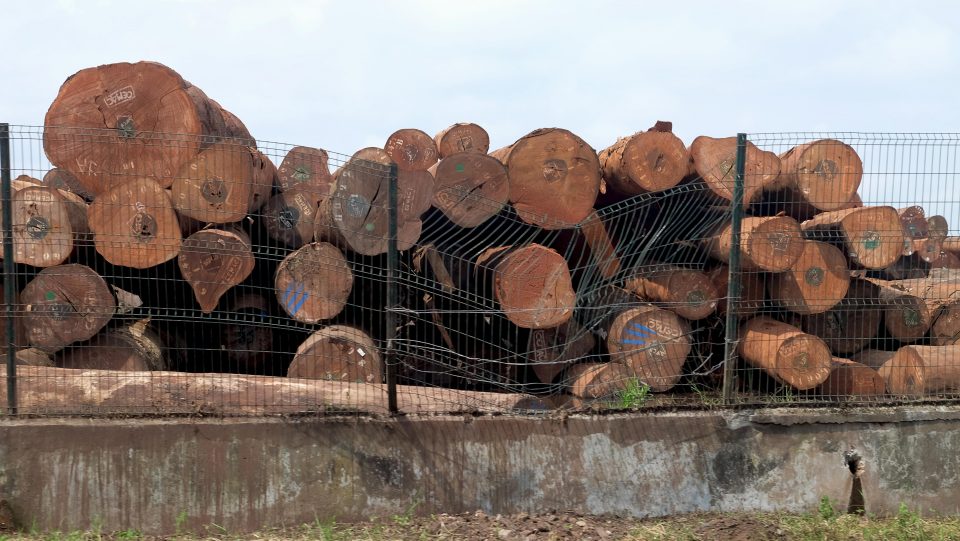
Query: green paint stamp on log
pixel 460 168
pixel 51 295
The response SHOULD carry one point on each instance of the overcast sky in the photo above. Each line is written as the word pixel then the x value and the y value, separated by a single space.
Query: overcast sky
pixel 344 75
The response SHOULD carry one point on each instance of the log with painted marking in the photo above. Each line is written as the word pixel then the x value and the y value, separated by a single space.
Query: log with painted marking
pixel 470 187
pixel 653 343
pixel 941 367
pixel 338 353
pixel 850 325
pixel 906 316
pixel 313 283
pixel 462 137
pixel 751 295
pixel 246 342
pixel 305 165
pixel 223 184
pixel 213 261
pixel 784 352
pixel 825 173
pixel 597 381
pixel 551 350
pixel 851 379
pixel 772 244
pixel 872 237
pixel 47 224
pixel 649 161
pixel 290 216
pixel 714 161
pixel 815 283
pixel 902 370
pixel 687 292
pixel 411 149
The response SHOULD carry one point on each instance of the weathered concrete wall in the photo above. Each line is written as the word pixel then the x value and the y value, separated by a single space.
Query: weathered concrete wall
pixel 252 473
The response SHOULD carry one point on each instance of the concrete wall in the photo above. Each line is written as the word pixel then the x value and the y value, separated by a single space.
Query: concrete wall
pixel 244 474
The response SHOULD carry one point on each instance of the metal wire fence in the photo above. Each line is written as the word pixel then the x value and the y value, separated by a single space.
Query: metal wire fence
pixel 149 273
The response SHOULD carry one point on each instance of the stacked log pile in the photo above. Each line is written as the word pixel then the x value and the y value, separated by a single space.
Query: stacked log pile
pixel 543 265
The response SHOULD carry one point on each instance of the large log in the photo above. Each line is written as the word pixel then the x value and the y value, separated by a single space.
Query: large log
pixel 411 149
pixel 851 324
pixel 902 370
pixel 305 165
pixel 223 184
pixel 290 216
pixel 687 292
pixel 246 342
pixel 772 244
pixel 941 367
pixel 47 225
pixel 65 304
pixel 649 161
pixel 131 348
pixel 906 316
pixel 462 137
pixel 338 353
pixel 825 173
pixel 785 353
pixel 714 160
pixel 652 342
pixel 603 253
pixel 554 177
pixel 470 187
pixel 816 282
pixel 597 381
pixel 551 350
pixel 871 236
pixel 532 284
pixel 915 229
pixel 851 379
pixel 213 261
pixel 134 224
pixel 313 283
pixel 128 106
pixel 940 292
pixel 63 179
pixel 751 295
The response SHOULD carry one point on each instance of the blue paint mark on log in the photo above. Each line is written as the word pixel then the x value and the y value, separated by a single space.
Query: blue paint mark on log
pixel 644 329
pixel 635 333
pixel 633 342
pixel 293 297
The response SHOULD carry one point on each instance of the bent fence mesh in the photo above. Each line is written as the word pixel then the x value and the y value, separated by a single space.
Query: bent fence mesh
pixel 163 274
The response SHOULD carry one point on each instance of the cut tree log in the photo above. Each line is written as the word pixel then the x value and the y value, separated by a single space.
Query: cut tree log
pixel 714 160
pixel 247 342
pixel 63 179
pixel 223 184
pixel 470 187
pixel 29 357
pixel 650 161
pixel 687 292
pixel 946 260
pixel 65 304
pixel 851 379
pixel 305 165
pixel 906 316
pixel 597 381
pixel 816 282
pixel 213 261
pixel 602 250
pixel 290 216
pixel 941 367
pixel 132 108
pixel 462 137
pixel 952 244
pixel 131 348
pixel 338 353
pixel 313 283
pixel 872 236
pixel 532 285
pixel 752 291
pixel 554 177
pixel 551 350
pixel 47 225
pixel 134 225
pixel 652 342
pixel 941 293
pixel 772 244
pixel 825 173
pixel 901 370
pixel 915 229
pixel 412 150
pixel 784 352
pixel 849 326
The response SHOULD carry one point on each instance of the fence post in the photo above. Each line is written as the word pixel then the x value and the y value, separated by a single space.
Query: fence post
pixel 392 298
pixel 733 283
pixel 9 281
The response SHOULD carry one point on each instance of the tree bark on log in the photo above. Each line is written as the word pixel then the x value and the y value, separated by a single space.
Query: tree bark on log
pixel 825 173
pixel 872 236
pixel 223 184
pixel 411 149
pixel 470 187
pixel 941 367
pixel 752 291
pixel 134 225
pixel 305 166
pixel 313 283
pixel 290 216
pixel 687 292
pixel 652 342
pixel 597 381
pixel 554 177
pixel 772 244
pixel 532 285
pixel 650 161
pixel 63 179
pixel 338 353
pixel 65 304
pixel 551 350
pixel 131 348
pixel 714 160
pixel 213 261
pixel 901 370
pixel 47 225
pixel 129 105
pixel 851 379
pixel 816 283
pixel 787 354
pixel 462 137
pixel 849 326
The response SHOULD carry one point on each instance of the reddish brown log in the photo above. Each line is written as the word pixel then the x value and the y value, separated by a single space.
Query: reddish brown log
pixel 901 370
pixel 313 283
pixel 552 350
pixel 554 177
pixel 689 293
pixel 752 291
pixel 462 137
pixel 134 225
pixel 825 173
pixel 412 150
pixel 714 160
pixel 305 165
pixel 649 161
pixel 816 282
pixel 470 187
pixel 132 348
pixel 788 355
pixel 652 342
pixel 851 379
pixel 532 285
pixel 602 251
pixel 915 230
pixel 907 317
pixel 63 179
pixel 47 224
pixel 65 304
pixel 851 324
pixel 941 367
pixel 223 184
pixel 290 216
pixel 772 244
pixel 129 104
pixel 597 381
pixel 248 344
pixel 338 353
pixel 213 261
pixel 872 236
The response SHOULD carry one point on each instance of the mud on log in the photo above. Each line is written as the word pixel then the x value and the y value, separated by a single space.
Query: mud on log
pixel 470 187
pixel 338 353
pixel 902 370
pixel 772 244
pixel 689 293
pixel 213 261
pixel 65 304
pixel 816 282
pixel 532 284
pixel 871 236
pixel 784 352
pixel 649 161
pixel 714 160
pixel 313 283
pixel 462 137
pixel 223 184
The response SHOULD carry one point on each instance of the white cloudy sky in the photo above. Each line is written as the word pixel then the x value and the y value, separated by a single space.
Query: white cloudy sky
pixel 345 74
